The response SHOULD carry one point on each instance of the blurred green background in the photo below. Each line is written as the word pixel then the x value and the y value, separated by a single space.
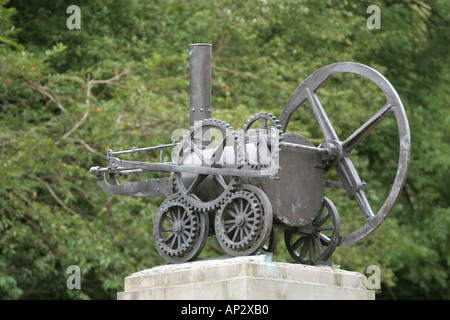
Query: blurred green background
pixel 57 119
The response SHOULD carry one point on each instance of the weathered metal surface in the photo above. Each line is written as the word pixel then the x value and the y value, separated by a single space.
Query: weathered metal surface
pixel 242 185
pixel 298 194
pixel 200 82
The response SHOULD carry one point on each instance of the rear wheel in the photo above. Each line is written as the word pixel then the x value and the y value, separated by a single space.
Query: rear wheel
pixel 316 241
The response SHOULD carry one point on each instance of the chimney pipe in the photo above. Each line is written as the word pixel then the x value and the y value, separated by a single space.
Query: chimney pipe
pixel 199 82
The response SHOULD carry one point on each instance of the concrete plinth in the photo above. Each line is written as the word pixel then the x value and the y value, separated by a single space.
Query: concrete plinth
pixel 245 278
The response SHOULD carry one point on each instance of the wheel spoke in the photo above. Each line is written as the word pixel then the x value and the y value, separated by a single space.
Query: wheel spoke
pixel 231 229
pixel 325 228
pixel 195 183
pixel 362 132
pixel 252 227
pixel 168 219
pixel 197 151
pixel 363 202
pixel 218 151
pixel 183 217
pixel 231 213
pixel 235 235
pixel 166 240
pixel 348 175
pixel 321 116
pixel 319 245
pixel 324 237
pixel 322 220
pixel 297 243
pixel 172 214
pixel 185 234
pixel 264 124
pixel 312 249
pixel 353 185
pixel 246 212
pixel 236 207
pixel 221 181
pixel 173 240
pixel 305 248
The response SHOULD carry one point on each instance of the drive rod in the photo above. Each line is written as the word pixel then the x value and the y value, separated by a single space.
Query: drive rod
pixel 303 147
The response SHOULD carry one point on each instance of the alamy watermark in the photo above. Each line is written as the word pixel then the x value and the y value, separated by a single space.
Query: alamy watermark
pixel 374 20
pixel 74 20
pixel 374 280
pixel 207 146
pixel 74 281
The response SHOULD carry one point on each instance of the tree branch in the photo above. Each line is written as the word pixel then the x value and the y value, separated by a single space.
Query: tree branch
pixel 48 93
pixel 239 73
pixel 75 127
pixel 110 81
pixel 57 199
pixel 88 147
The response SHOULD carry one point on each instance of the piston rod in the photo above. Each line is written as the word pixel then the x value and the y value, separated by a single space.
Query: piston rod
pixel 303 147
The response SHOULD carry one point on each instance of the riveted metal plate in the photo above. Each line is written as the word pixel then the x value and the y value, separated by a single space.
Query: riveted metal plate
pixel 298 194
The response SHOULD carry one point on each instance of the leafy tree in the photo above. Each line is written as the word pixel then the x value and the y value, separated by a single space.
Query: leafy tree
pixel 122 80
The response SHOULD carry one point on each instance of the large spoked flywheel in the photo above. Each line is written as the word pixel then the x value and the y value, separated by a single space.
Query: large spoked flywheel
pixel 351 181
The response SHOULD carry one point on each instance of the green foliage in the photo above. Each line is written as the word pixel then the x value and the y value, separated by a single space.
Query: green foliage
pixel 66 96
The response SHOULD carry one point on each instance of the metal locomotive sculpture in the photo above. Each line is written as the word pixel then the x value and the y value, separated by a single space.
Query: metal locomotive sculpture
pixel 243 186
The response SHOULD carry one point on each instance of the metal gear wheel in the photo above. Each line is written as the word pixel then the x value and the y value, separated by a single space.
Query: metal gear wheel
pixel 244 222
pixel 267 122
pixel 179 232
pixel 215 187
pixel 238 221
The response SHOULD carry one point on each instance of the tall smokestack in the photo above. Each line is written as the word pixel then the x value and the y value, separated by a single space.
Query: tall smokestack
pixel 200 82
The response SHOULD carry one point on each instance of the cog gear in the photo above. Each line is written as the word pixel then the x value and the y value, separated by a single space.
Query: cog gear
pixel 176 228
pixel 197 149
pixel 255 136
pixel 238 222
pixel 179 232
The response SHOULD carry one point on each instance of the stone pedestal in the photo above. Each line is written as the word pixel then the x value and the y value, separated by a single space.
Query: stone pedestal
pixel 245 278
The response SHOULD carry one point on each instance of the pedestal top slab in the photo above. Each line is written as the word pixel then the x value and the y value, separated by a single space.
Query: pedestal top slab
pixel 250 276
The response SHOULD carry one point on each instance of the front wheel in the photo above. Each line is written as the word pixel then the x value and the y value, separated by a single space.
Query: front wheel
pixel 180 233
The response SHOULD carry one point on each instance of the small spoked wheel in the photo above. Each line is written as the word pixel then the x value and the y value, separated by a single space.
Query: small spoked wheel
pixel 180 233
pixel 316 241
pixel 244 222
